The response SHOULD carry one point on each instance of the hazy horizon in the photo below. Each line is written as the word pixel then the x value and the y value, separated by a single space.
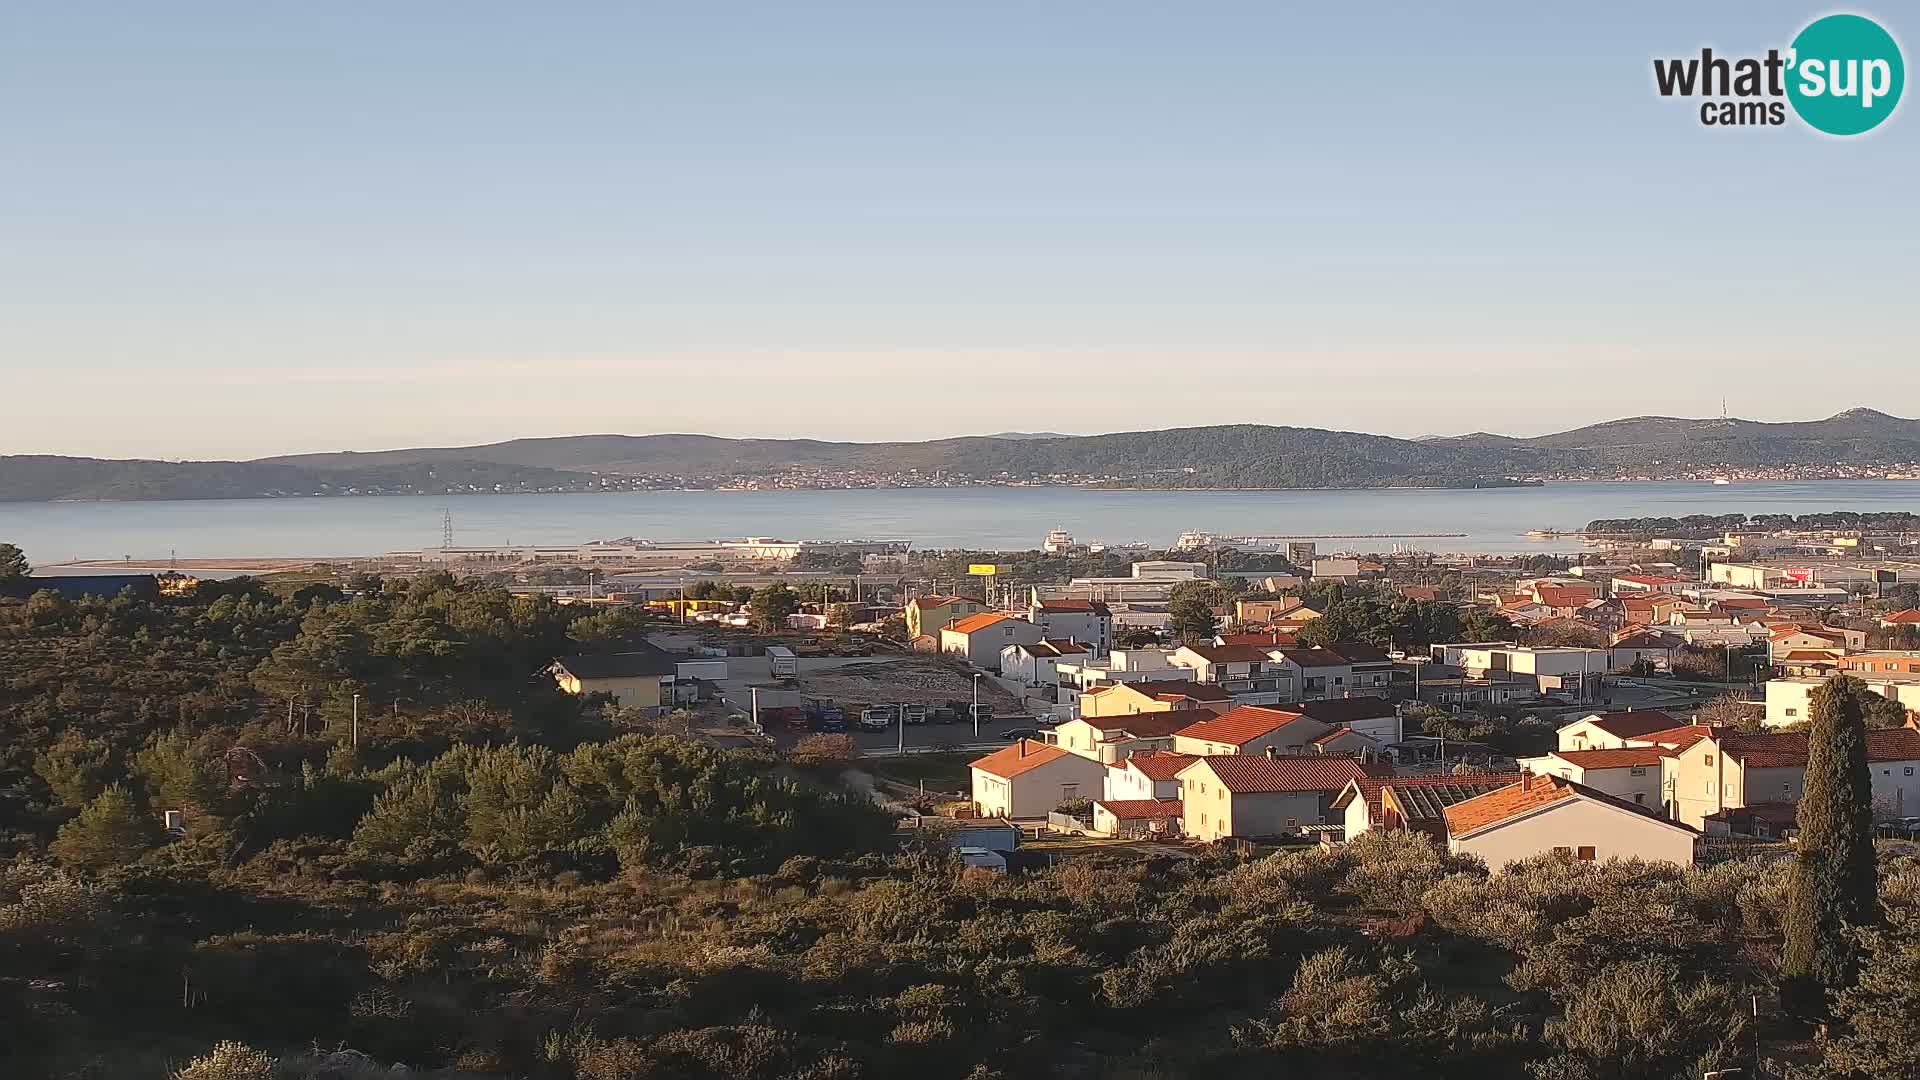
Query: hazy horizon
pixel 1011 435
pixel 235 231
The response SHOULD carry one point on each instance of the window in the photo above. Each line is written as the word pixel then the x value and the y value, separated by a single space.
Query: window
pixel 1640 797
pixel 1908 771
pixel 1637 770
pixel 1203 819
pixel 1563 851
pixel 1790 712
pixel 1709 787
pixel 1292 822
pixel 1222 795
pixel 1586 854
pixel 1709 759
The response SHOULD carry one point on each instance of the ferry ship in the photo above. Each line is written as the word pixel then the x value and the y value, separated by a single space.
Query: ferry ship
pixel 1057 542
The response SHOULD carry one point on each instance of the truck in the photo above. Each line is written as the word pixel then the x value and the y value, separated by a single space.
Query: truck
pixel 781 662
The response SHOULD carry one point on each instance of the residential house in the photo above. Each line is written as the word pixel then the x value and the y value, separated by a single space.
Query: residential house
pixel 1375 717
pixel 1641 645
pixel 1089 622
pixel 926 615
pixel 1247 672
pixel 1137 818
pixel 1029 779
pixel 978 639
pixel 1265 611
pixel 1629 773
pixel 1635 584
pixel 1729 770
pixel 1345 571
pixel 1263 639
pixel 1372 669
pixel 1037 664
pixel 1148 774
pixel 1416 803
pixel 1782 640
pixel 1543 814
pixel 1253 795
pixel 1158 695
pixel 1907 617
pixel 639 678
pixel 1612 730
pixel 1114 738
pixel 1251 729
pixel 1790 700
pixel 1322 673
pixel 1865 665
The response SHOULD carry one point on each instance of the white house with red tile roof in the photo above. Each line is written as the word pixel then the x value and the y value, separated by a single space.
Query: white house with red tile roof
pixel 1544 814
pixel 1112 738
pixel 1631 773
pixel 1089 622
pixel 1908 617
pixel 1727 770
pixel 1252 795
pixel 1029 779
pixel 927 614
pixel 1142 818
pixel 978 639
pixel 1612 730
pixel 1150 774
pixel 1251 729
pixel 1631 584
pixel 1036 663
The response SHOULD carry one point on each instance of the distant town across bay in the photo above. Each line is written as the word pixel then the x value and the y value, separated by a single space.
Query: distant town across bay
pixel 986 518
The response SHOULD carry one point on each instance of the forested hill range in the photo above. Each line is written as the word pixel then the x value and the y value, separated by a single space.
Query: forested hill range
pixel 1858 442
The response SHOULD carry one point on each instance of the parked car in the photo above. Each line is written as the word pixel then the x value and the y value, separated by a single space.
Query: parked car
pixel 1014 733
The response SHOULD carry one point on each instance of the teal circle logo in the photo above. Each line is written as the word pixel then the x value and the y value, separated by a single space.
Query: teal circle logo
pixel 1845 74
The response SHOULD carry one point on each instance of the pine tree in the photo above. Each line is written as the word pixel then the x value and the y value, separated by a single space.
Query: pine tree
pixel 110 831
pixel 1835 882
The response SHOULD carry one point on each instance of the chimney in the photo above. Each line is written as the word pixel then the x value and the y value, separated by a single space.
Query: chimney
pixel 1273 752
pixel 1023 748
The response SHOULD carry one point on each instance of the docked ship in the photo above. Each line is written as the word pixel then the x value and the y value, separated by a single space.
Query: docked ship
pixel 1057 542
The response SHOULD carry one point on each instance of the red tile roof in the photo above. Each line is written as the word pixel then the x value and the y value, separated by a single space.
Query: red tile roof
pixel 1628 725
pixel 1239 726
pixel 942 601
pixel 1499 805
pixel 1171 689
pixel 1022 756
pixel 1788 749
pixel 1676 738
pixel 1158 764
pixel 977 622
pixel 1149 725
pixel 1258 774
pixel 1140 809
pixel 1911 615
pixel 1614 759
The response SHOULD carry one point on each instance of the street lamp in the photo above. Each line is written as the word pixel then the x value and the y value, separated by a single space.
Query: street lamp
pixel 976 705
pixel 356 721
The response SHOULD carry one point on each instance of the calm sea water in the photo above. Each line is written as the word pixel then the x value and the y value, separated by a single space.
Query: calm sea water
pixel 994 518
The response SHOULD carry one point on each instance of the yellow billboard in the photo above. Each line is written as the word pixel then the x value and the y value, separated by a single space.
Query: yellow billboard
pixel 984 569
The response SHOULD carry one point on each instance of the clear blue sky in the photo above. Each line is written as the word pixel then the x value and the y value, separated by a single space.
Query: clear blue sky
pixel 232 229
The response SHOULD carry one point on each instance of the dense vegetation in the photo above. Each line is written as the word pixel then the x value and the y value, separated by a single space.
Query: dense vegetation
pixel 503 881
pixel 1225 456
pixel 1719 523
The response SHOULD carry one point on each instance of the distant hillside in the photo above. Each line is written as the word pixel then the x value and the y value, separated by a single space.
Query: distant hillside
pixel 1226 456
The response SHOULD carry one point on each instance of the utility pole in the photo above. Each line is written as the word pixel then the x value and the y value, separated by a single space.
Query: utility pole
pixel 976 706
pixel 356 721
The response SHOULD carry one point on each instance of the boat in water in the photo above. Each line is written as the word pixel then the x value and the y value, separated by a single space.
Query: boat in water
pixel 1057 542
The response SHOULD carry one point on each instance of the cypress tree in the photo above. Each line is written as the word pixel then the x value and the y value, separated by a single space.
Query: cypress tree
pixel 1835 883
